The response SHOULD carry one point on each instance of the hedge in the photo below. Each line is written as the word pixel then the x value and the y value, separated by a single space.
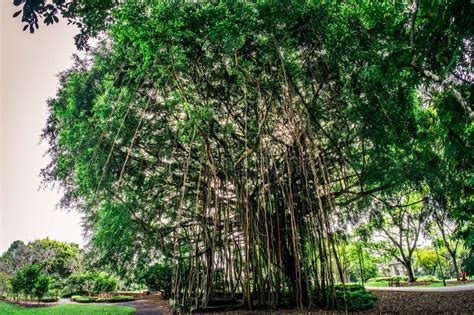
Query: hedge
pixel 94 299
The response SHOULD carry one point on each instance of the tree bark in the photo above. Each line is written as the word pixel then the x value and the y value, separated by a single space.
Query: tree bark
pixel 411 275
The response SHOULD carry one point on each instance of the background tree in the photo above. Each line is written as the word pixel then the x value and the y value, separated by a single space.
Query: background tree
pixel 401 222
pixel 4 283
pixel 41 286
pixel 426 260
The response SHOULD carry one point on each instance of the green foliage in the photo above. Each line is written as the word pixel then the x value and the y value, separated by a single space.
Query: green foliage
pixel 31 281
pixel 84 299
pixel 41 286
pixel 427 260
pixel 427 278
pixel 120 298
pixel 29 276
pixel 384 279
pixel 93 299
pixel 355 300
pixel 4 282
pixel 58 259
pixel 360 262
pixel 158 277
pixel 92 282
pixel 352 297
pixel 105 283
pixel 49 299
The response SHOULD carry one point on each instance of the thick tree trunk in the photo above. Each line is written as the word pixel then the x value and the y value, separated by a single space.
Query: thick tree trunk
pixel 456 268
pixel 410 273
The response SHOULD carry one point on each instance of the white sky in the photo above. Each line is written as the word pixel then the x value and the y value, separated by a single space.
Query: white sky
pixel 28 69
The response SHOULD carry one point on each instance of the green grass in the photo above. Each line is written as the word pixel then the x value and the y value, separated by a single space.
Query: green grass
pixel 71 309
pixel 376 284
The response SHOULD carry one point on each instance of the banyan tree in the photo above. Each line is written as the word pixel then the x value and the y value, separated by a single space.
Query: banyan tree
pixel 232 139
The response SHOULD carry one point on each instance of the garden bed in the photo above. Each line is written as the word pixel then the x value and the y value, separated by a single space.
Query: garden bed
pixel 423 302
pixel 30 303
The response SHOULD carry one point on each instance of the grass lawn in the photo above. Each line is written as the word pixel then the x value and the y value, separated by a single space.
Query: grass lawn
pixel 376 284
pixel 71 309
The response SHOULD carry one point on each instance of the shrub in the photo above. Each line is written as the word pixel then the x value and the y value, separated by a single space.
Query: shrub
pixel 4 283
pixel 41 286
pixel 354 297
pixel 348 287
pixel 105 283
pixel 158 278
pixel 427 278
pixel 50 299
pixel 94 299
pixel 84 299
pixel 384 279
pixel 70 294
pixel 120 298
pixel 91 282
pixel 355 300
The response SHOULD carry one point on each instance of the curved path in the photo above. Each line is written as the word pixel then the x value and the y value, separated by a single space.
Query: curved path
pixel 453 288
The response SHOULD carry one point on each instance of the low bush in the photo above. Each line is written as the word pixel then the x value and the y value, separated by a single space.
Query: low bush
pixel 120 298
pixel 355 300
pixel 84 299
pixel 351 297
pixel 384 279
pixel 158 278
pixel 50 299
pixel 69 294
pixel 348 287
pixel 427 278
pixel 94 299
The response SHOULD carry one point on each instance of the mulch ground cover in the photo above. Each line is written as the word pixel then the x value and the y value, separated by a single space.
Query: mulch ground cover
pixel 391 302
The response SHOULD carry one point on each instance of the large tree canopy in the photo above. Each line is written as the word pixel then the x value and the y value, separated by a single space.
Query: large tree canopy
pixel 239 139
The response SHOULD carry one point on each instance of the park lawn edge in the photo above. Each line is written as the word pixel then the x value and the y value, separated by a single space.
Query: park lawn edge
pixel 66 309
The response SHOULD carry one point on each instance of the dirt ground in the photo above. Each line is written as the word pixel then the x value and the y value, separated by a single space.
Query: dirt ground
pixel 390 302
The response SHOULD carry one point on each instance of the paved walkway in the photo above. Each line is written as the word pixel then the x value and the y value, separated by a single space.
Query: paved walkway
pixel 453 288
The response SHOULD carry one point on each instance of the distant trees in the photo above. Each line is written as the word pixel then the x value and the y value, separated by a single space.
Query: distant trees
pixel 16 257
pixel 400 222
pixel 427 260
pixel 55 258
